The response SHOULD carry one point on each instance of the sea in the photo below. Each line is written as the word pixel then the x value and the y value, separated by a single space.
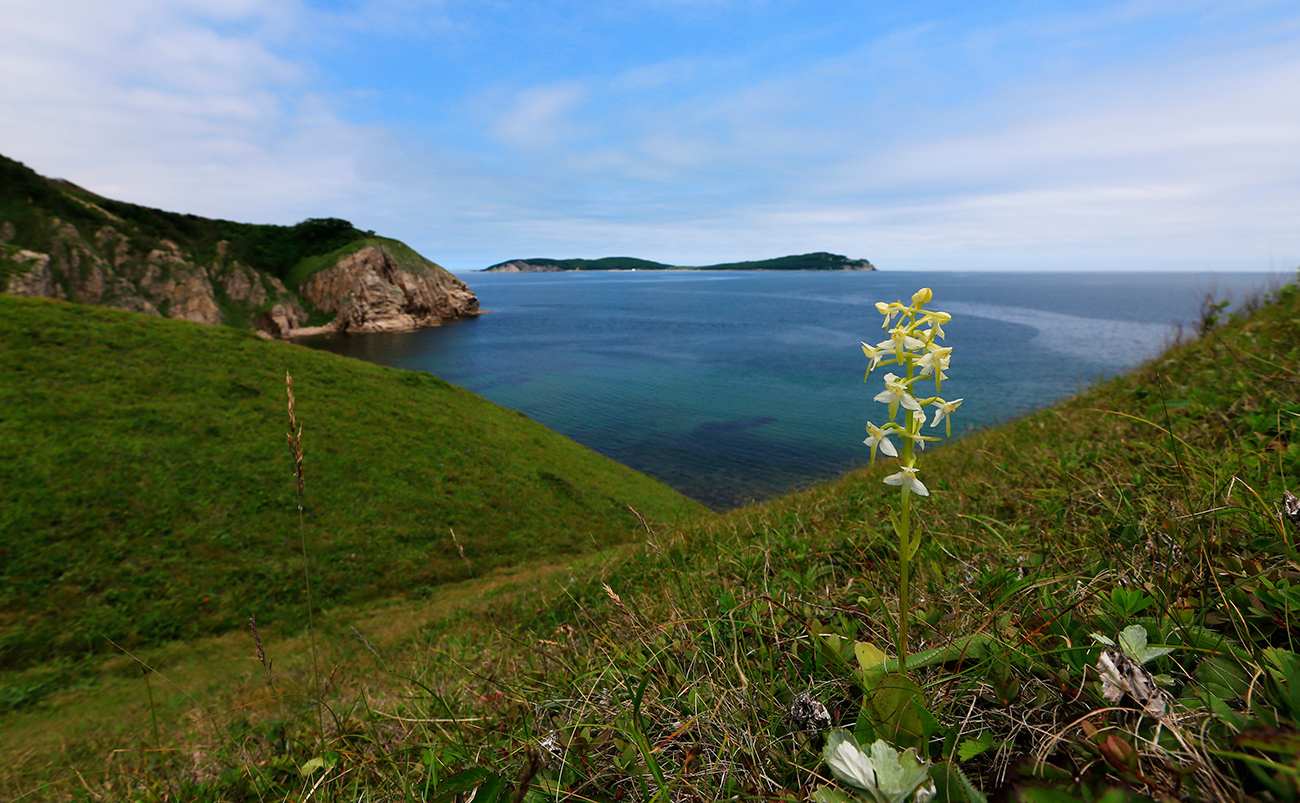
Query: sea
pixel 734 386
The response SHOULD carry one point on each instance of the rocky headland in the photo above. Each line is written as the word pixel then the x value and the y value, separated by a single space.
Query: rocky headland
pixel 58 240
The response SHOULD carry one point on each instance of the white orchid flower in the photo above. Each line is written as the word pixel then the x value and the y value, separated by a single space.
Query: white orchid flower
pixel 936 320
pixel 876 438
pixel 936 358
pixel 895 393
pixel 901 341
pixel 943 411
pixel 906 477
pixel 884 773
pixel 874 354
pixel 922 297
pixel 889 311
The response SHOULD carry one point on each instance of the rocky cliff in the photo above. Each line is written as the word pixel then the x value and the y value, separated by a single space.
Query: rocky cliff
pixel 384 287
pixel 60 241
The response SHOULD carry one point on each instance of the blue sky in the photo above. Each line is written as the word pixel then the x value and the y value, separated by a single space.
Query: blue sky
pixel 924 135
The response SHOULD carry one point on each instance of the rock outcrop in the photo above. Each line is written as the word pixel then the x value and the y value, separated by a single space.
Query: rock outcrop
pixel 522 266
pixel 58 240
pixel 105 269
pixel 373 290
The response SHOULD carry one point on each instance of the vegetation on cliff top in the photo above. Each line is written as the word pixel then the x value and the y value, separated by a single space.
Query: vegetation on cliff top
pixel 28 200
pixel 1150 505
pixel 815 261
pixel 143 485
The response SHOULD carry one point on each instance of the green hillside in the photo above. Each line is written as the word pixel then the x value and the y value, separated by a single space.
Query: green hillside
pixel 28 201
pixel 816 261
pixel 148 493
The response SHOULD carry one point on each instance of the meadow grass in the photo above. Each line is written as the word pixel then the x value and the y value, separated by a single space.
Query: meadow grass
pixel 145 496
pixel 667 669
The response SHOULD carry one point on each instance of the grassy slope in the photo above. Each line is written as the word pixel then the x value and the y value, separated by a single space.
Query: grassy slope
pixel 1150 499
pixel 1085 517
pixel 148 493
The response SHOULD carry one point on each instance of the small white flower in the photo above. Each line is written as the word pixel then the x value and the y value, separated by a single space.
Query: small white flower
pixel 937 320
pixel 876 438
pixel 920 297
pixel 901 341
pixel 935 358
pixel 896 393
pixel 944 410
pixel 874 354
pixel 889 311
pixel 906 477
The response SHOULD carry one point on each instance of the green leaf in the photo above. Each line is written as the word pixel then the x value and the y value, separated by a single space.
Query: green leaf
pixel 896 717
pixel 1134 642
pixel 311 766
pixel 492 790
pixel 970 748
pixel 829 794
pixel 1224 673
pixel 460 783
pixel 871 661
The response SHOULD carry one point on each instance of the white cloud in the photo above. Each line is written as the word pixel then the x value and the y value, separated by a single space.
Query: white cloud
pixel 539 117
pixel 180 105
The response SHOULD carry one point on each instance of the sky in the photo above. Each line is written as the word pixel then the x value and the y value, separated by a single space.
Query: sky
pixel 1141 135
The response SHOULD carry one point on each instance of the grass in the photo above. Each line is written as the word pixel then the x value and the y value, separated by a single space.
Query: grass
pixel 144 493
pixel 666 670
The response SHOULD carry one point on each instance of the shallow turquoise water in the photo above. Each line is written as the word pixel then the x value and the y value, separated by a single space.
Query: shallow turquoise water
pixel 732 386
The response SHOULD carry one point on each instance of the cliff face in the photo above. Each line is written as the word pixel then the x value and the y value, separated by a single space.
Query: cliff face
pixel 381 289
pixel 58 240
pixel 107 269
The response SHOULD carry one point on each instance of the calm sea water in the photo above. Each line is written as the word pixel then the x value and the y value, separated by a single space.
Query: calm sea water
pixel 731 386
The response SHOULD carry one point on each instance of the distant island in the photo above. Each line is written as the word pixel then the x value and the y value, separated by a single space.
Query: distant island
pixel 816 261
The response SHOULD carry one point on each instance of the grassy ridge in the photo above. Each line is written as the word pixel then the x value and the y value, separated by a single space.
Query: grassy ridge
pixel 148 494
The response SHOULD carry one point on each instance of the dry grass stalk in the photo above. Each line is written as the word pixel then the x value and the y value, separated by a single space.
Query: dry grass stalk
pixel 294 436
pixel 261 653
pixel 461 550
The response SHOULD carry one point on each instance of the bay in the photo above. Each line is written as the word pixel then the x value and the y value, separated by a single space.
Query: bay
pixel 736 386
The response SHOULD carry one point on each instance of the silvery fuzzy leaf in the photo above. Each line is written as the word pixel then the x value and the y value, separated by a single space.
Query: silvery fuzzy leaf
pixel 848 763
pixel 898 775
pixel 885 774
